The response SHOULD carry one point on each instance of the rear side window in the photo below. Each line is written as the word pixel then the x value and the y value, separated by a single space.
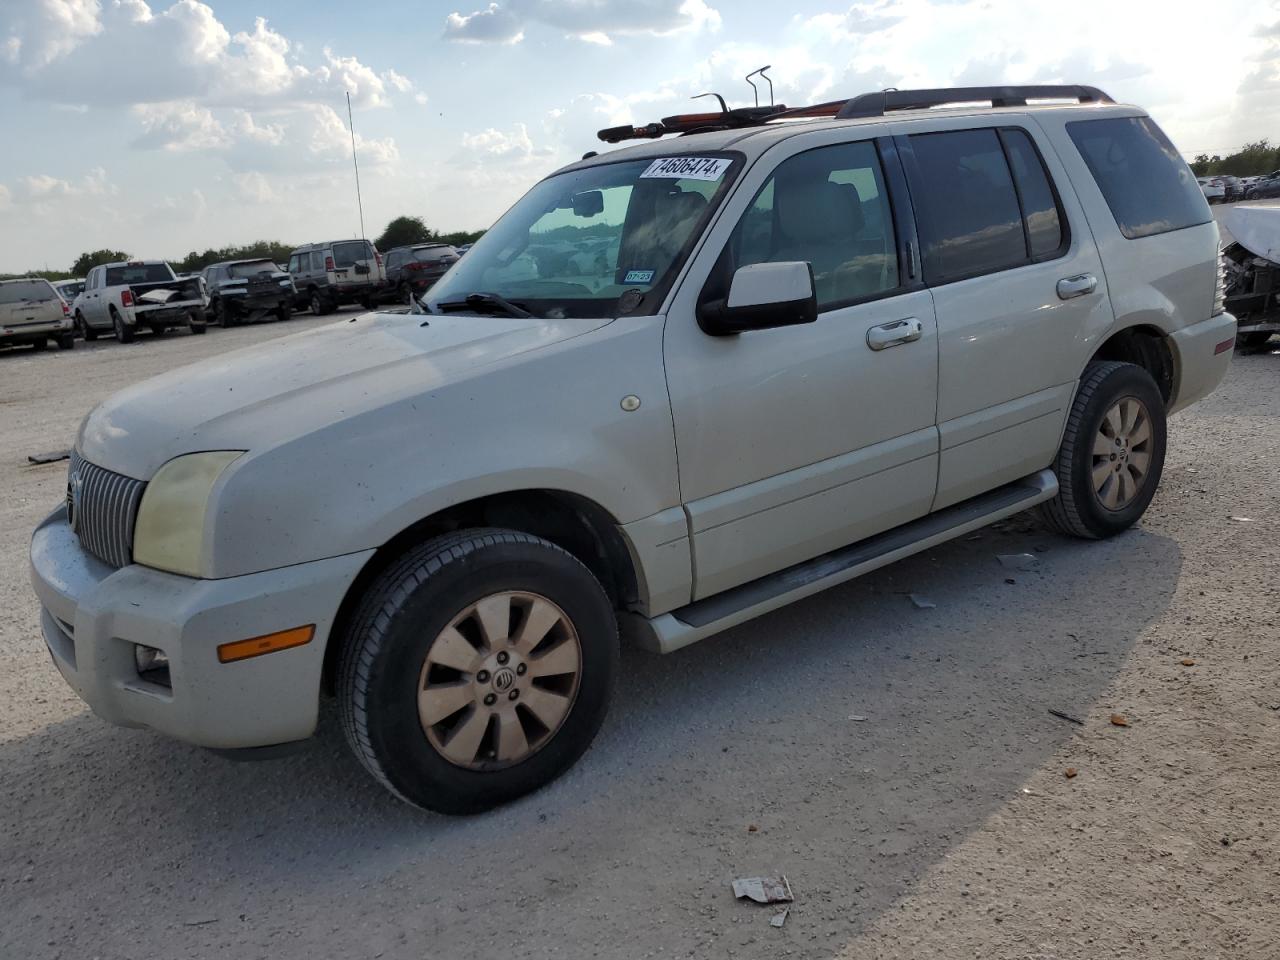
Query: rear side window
pixel 1039 205
pixel 1146 183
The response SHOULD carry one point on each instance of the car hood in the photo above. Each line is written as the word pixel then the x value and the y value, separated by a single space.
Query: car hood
pixel 262 396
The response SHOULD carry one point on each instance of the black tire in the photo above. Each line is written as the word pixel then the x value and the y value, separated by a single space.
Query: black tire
pixel 319 305
pixel 283 312
pixel 1253 341
pixel 85 330
pixel 67 341
pixel 1078 509
pixel 197 327
pixel 370 302
pixel 402 613
pixel 124 334
pixel 39 345
pixel 221 316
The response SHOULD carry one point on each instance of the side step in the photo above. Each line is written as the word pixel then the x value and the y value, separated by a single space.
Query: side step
pixel 688 624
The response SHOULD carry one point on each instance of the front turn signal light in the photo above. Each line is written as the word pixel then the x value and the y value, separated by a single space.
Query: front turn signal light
pixel 257 646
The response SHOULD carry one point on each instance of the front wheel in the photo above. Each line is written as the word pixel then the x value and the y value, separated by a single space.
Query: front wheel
pixel 84 329
pixel 478 668
pixel 1112 452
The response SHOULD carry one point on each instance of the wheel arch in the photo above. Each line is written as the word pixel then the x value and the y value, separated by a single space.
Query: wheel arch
pixel 1148 347
pixel 573 522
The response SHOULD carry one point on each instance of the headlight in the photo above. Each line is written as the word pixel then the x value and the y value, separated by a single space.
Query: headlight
pixel 169 534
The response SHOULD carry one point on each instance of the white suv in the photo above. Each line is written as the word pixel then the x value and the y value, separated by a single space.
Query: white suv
pixel 813 348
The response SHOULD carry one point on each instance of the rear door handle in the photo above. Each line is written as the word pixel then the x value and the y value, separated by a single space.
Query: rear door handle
pixel 1080 286
pixel 891 334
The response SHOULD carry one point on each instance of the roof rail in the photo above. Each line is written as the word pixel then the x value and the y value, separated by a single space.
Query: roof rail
pixel 882 102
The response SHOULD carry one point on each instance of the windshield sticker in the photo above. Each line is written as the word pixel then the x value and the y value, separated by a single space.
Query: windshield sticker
pixel 639 276
pixel 688 168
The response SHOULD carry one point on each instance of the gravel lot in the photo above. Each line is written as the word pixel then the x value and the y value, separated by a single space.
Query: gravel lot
pixel 942 825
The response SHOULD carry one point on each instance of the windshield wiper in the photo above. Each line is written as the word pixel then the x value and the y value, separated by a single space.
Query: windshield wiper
pixel 484 303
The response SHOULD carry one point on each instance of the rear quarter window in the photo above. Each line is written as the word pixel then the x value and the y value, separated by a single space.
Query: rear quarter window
pixel 1146 183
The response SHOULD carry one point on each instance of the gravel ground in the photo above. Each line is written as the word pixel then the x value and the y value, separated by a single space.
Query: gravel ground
pixel 942 825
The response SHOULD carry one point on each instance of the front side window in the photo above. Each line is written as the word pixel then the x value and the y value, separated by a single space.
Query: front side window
pixel 597 241
pixel 829 208
pixel 1146 183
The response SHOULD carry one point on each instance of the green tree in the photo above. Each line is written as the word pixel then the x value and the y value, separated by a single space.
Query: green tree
pixel 404 231
pixel 87 261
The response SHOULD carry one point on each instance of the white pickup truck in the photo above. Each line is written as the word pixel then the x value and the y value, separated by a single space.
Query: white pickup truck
pixel 121 297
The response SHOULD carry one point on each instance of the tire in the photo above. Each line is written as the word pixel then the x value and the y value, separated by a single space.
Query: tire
pixel 67 341
pixel 370 302
pixel 39 345
pixel 1129 468
pixel 283 312
pixel 220 314
pixel 1253 341
pixel 319 305
pixel 124 334
pixel 388 657
pixel 84 329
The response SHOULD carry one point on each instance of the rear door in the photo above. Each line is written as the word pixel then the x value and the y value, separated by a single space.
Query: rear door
pixel 354 262
pixel 1017 286
pixel 795 441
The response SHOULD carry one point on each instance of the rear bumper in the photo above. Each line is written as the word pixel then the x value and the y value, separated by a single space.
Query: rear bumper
pixel 1202 358
pixel 93 615
pixel 30 334
pixel 352 292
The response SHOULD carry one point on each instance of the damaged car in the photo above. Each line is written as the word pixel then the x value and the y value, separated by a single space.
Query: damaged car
pixel 121 297
pixel 1251 268
pixel 246 291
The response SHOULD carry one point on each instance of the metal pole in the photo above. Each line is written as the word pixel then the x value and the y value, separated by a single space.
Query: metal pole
pixel 359 201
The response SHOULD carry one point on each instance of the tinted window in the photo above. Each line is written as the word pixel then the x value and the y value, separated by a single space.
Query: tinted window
pixel 239 271
pixel 1039 207
pixel 970 221
pixel 1146 183
pixel 138 273
pixel 346 253
pixel 827 207
pixel 18 291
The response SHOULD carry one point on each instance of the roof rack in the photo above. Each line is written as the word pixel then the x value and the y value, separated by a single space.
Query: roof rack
pixel 865 105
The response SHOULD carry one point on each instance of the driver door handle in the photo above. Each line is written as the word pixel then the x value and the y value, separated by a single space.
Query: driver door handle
pixel 891 334
pixel 1080 286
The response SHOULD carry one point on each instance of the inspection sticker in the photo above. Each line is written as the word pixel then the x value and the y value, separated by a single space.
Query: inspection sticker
pixel 639 276
pixel 688 168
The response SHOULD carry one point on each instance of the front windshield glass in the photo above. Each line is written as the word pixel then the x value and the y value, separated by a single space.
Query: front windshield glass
pixel 240 271
pixel 577 242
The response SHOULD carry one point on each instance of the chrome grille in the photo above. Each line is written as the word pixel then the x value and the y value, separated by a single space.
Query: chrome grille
pixel 102 507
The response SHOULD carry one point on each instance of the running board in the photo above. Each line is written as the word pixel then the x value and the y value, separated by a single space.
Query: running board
pixel 702 618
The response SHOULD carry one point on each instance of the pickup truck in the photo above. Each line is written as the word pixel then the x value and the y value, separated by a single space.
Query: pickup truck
pixel 121 297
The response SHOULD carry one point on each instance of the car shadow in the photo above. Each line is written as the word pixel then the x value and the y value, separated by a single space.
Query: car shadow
pixel 861 734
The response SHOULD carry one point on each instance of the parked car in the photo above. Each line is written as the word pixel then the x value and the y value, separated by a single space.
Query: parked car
pixel 412 270
pixel 462 248
pixel 327 275
pixel 1213 190
pixel 822 347
pixel 245 291
pixel 1252 267
pixel 1264 187
pixel 32 312
pixel 121 297
pixel 68 290
pixel 1233 188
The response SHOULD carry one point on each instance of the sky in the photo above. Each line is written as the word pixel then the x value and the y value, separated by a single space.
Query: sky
pixel 162 127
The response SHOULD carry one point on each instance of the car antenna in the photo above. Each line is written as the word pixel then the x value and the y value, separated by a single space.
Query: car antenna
pixel 754 89
pixel 359 201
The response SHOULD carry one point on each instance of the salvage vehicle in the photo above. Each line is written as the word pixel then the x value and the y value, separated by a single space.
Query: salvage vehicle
pixel 1212 188
pixel 68 290
pixel 1252 270
pixel 121 297
pixel 32 312
pixel 412 270
pixel 822 346
pixel 245 291
pixel 1264 187
pixel 327 275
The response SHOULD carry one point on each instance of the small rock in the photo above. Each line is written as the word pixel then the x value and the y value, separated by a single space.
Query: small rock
pixel 752 828
pixel 1188 662
pixel 1070 772
pixel 1119 720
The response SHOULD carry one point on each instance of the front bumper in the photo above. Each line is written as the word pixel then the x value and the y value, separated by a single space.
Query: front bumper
pixel 92 616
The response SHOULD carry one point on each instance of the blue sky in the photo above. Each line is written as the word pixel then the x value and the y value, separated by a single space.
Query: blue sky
pixel 160 127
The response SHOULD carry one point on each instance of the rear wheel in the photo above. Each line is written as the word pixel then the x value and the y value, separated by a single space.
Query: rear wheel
pixel 1112 452
pixel 124 332
pixel 478 668
pixel 317 303
pixel 40 344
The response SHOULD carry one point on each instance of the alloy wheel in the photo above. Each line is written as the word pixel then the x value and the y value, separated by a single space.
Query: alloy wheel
pixel 1122 453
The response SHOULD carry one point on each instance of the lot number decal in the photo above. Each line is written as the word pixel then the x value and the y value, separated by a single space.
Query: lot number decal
pixel 688 168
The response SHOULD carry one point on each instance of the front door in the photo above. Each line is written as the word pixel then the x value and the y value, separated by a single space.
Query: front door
pixel 795 441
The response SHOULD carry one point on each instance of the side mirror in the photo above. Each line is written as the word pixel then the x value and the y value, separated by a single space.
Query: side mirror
pixel 763 296
pixel 589 203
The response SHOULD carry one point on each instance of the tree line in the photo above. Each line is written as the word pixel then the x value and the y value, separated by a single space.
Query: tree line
pixel 1252 159
pixel 401 231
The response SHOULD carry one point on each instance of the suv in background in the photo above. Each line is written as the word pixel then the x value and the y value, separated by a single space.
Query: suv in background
pixel 821 346
pixel 1264 186
pixel 244 291
pixel 68 290
pixel 31 311
pixel 412 270
pixel 327 275
pixel 121 297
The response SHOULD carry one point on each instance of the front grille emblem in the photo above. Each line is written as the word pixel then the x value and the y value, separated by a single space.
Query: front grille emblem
pixel 75 486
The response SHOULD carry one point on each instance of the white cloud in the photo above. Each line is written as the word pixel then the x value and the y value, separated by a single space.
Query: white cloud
pixel 253 187
pixel 397 80
pixel 42 187
pixel 37 32
pixel 596 21
pixel 181 125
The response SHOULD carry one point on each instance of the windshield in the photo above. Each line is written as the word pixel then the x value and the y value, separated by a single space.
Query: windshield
pixel 576 242
pixel 239 271
pixel 348 252
pixel 17 291
pixel 138 273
